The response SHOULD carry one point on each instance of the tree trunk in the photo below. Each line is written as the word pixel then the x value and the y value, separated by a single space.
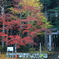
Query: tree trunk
pixel 46 40
pixel 15 48
pixel 2 13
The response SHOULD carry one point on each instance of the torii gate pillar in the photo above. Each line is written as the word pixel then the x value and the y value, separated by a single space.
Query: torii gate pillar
pixel 50 43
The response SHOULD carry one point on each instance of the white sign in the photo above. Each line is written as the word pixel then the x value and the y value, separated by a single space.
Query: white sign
pixel 28 55
pixel 9 48
pixel 45 55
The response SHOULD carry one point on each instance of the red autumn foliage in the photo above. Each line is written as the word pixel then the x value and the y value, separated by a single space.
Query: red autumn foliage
pixel 27 40
pixel 17 1
pixel 16 39
pixel 3 34
pixel 28 8
pixel 11 22
pixel 25 31
pixel 0 28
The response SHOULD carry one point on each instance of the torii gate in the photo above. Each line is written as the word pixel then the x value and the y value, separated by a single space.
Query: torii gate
pixel 50 40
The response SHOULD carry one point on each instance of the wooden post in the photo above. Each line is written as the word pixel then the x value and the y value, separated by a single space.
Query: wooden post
pixel 40 47
pixel 0 54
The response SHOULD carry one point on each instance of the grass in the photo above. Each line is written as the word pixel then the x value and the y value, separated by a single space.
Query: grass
pixel 45 51
pixel 3 55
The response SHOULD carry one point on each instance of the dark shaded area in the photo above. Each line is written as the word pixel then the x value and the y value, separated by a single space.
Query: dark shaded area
pixel 50 4
pixel 54 55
